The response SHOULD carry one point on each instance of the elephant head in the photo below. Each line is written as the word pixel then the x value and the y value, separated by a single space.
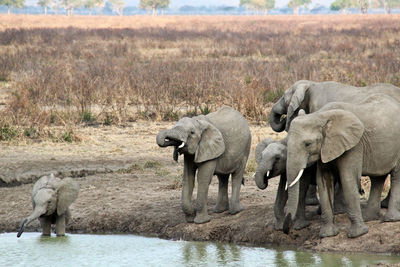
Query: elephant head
pixel 323 135
pixel 294 99
pixel 51 195
pixel 271 161
pixel 194 136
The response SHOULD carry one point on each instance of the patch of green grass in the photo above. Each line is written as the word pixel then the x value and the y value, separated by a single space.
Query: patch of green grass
pixel 108 120
pixel 171 115
pixel 151 164
pixel 30 132
pixel 205 110
pixel 7 133
pixel 87 116
pixel 67 136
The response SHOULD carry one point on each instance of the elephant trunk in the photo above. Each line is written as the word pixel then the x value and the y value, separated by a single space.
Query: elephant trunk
pixel 294 169
pixel 172 137
pixel 36 214
pixel 262 175
pixel 276 121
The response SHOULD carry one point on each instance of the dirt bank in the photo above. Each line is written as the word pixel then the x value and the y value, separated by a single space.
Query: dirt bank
pixel 129 184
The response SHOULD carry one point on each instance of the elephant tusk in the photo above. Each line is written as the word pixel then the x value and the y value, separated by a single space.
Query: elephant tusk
pixel 286 186
pixel 297 178
pixel 181 145
pixel 267 173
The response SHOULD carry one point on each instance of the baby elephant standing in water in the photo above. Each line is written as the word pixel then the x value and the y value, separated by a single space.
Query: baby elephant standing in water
pixel 215 144
pixel 51 198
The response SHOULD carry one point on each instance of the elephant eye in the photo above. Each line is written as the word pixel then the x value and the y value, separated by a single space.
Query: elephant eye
pixel 191 132
pixel 307 144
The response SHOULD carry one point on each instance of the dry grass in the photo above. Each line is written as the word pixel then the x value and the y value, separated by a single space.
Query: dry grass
pixel 67 70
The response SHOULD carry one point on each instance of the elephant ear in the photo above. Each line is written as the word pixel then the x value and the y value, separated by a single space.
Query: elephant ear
pixel 298 97
pixel 261 146
pixel 211 144
pixel 67 192
pixel 342 132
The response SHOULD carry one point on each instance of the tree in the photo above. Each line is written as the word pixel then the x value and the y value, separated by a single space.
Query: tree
pixel 296 4
pixel 12 3
pixel 44 4
pixel 153 5
pixel 246 4
pixel 91 4
pixel 70 5
pixel 387 5
pixel 341 5
pixel 117 6
pixel 258 5
pixel 363 5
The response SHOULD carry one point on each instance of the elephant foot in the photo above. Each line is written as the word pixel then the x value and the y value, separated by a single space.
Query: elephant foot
pixel 356 230
pixel 202 218
pixel 46 234
pixel 278 225
pixel 221 208
pixel 300 224
pixel 371 215
pixel 328 230
pixel 189 218
pixel 60 234
pixel 392 216
pixel 235 208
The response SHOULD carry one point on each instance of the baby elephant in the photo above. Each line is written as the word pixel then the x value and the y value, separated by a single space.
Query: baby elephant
pixel 51 198
pixel 218 143
pixel 271 158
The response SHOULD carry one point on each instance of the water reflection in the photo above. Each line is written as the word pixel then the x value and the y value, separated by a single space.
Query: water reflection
pixel 217 253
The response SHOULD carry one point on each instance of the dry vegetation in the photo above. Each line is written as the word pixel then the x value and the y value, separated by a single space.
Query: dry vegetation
pixel 62 71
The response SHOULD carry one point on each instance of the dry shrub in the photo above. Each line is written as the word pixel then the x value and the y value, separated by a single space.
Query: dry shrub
pixel 68 71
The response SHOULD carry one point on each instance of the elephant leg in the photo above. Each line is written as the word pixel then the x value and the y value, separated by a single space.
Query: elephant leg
pixel 222 199
pixel 280 202
pixel 237 178
pixel 204 175
pixel 325 191
pixel 45 223
pixel 385 202
pixel 189 172
pixel 393 212
pixel 301 221
pixel 60 225
pixel 372 212
pixel 339 205
pixel 350 172
pixel 311 197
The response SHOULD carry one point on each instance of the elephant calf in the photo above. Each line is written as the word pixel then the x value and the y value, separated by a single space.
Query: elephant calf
pixel 218 143
pixel 51 198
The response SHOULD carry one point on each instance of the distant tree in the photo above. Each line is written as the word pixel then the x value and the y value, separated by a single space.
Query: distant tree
pixel 91 4
pixel 70 5
pixel 246 4
pixel 341 5
pixel 258 5
pixel 363 5
pixel 296 4
pixel 153 5
pixel 387 5
pixel 117 6
pixel 12 3
pixel 44 4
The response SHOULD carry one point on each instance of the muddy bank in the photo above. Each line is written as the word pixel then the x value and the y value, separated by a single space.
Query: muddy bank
pixel 130 185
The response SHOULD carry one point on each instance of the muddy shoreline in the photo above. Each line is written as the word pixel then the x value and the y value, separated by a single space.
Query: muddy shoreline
pixel 130 185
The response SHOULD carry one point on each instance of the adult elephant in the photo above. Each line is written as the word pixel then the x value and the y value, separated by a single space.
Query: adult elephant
pixel 352 140
pixel 51 198
pixel 311 96
pixel 271 158
pixel 218 143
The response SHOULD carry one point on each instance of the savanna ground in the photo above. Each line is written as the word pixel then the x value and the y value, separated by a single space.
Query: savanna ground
pixel 85 97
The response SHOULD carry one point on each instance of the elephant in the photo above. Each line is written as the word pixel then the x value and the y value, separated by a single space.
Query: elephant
pixel 311 96
pixel 271 162
pixel 214 144
pixel 51 198
pixel 350 140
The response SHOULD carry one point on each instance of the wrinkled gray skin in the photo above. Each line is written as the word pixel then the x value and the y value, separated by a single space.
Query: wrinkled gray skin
pixel 51 198
pixel 353 140
pixel 215 144
pixel 312 96
pixel 271 162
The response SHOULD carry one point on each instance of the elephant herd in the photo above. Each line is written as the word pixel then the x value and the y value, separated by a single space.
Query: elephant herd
pixel 336 134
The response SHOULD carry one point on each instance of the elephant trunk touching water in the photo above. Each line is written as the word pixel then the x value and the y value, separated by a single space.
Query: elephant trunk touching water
pixel 215 144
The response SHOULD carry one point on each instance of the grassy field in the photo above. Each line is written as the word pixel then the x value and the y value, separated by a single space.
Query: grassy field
pixel 62 71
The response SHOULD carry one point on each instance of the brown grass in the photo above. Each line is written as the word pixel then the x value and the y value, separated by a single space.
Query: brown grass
pixel 67 70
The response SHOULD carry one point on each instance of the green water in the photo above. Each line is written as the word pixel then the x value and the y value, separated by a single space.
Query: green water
pixel 129 250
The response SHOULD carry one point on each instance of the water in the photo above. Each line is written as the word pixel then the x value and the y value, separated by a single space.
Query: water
pixel 129 250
